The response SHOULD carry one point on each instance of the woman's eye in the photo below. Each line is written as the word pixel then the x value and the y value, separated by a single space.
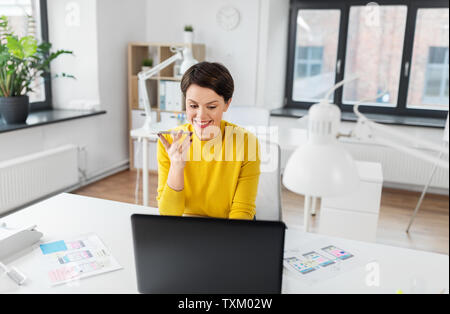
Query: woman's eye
pixel 213 107
pixel 194 106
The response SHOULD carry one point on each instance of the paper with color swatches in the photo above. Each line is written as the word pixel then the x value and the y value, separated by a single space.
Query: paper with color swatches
pixel 82 257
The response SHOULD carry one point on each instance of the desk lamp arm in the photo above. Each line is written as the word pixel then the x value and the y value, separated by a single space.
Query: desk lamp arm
pixel 143 93
pixel 367 130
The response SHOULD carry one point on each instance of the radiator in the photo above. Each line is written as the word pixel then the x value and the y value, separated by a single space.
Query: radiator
pixel 399 167
pixel 32 177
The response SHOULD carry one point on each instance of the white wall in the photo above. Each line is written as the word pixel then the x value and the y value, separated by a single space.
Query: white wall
pixel 273 41
pixel 119 22
pixel 102 56
pixel 73 26
pixel 236 49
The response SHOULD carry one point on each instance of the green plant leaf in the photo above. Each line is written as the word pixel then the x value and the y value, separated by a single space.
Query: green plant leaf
pixel 29 45
pixel 44 47
pixel 4 55
pixel 14 46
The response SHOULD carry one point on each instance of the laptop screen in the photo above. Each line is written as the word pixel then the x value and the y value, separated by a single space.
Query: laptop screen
pixel 207 256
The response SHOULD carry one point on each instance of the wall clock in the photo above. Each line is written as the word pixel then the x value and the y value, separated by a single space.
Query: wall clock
pixel 228 18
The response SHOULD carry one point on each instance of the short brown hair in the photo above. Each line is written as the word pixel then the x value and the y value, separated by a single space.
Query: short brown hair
pixel 209 75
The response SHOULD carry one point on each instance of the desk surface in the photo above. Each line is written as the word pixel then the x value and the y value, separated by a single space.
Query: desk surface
pixel 68 215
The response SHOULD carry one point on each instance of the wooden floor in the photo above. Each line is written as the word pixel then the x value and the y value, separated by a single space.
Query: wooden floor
pixel 430 231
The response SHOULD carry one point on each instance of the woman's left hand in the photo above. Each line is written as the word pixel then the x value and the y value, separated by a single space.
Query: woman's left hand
pixel 177 151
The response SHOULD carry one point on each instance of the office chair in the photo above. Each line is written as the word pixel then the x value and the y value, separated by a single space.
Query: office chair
pixel 247 116
pixel 268 199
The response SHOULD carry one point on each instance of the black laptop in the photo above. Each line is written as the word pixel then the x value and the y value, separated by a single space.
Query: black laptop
pixel 186 255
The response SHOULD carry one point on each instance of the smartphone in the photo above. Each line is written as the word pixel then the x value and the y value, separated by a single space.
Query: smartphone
pixel 318 259
pixel 337 252
pixel 299 265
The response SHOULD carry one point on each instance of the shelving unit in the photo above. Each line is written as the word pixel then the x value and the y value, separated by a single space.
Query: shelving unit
pixel 137 52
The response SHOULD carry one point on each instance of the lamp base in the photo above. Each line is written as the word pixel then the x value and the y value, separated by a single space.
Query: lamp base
pixel 147 124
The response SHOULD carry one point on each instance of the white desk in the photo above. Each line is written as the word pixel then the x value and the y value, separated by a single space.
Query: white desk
pixel 68 215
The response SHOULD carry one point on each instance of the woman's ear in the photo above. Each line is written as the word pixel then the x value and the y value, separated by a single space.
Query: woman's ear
pixel 227 104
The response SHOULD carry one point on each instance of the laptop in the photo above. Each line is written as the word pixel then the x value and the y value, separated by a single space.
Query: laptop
pixel 187 255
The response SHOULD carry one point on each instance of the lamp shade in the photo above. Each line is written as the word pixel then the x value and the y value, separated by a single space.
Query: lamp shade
pixel 321 171
pixel 188 60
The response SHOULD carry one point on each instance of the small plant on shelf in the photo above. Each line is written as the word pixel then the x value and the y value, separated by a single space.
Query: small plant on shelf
pixel 147 62
pixel 188 34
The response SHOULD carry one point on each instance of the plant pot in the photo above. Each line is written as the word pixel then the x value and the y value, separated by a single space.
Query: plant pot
pixel 145 68
pixel 188 37
pixel 14 110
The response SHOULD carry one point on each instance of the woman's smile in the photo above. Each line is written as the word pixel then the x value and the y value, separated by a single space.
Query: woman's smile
pixel 203 124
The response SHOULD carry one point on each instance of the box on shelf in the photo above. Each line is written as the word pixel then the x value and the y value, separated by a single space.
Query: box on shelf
pixel 170 97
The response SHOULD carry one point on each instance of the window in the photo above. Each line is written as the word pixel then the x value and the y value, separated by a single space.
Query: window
pixel 399 47
pixel 374 50
pixel 17 11
pixel 428 82
pixel 308 61
pixel 315 54
pixel 308 67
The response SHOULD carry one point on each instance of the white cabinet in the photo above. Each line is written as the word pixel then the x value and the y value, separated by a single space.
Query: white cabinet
pixel 355 216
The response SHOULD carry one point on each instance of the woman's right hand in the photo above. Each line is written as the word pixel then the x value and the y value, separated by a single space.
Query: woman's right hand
pixel 177 152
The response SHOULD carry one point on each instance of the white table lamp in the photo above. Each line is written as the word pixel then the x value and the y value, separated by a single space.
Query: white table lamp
pixel 321 167
pixel 188 60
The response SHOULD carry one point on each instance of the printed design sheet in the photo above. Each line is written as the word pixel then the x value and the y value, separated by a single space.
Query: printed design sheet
pixel 74 259
pixel 318 261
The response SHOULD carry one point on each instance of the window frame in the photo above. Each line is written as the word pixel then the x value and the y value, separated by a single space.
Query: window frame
pixel 292 40
pixel 408 43
pixel 47 103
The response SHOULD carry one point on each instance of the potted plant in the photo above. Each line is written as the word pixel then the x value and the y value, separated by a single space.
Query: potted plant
pixel 147 64
pixel 188 34
pixel 22 61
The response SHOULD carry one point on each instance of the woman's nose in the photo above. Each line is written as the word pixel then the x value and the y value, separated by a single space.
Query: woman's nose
pixel 202 114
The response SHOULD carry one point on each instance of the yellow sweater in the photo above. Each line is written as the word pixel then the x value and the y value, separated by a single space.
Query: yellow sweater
pixel 220 177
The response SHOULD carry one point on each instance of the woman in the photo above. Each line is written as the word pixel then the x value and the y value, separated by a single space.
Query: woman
pixel 208 167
